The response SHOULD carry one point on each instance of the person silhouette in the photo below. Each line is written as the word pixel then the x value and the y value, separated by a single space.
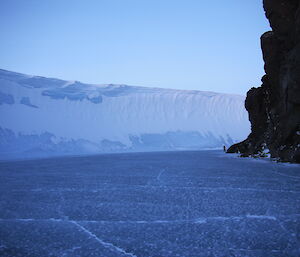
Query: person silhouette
pixel 224 148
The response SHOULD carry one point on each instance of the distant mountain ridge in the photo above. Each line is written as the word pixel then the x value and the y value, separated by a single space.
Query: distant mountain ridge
pixel 50 117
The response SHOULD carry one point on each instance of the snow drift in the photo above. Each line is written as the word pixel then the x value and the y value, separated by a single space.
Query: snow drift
pixel 44 117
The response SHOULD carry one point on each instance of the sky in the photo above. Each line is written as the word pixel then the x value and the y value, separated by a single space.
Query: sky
pixel 183 44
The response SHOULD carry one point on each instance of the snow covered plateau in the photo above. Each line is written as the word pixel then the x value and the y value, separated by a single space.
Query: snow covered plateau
pixel 50 117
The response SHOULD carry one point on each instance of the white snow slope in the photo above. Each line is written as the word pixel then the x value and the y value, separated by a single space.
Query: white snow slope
pixel 45 116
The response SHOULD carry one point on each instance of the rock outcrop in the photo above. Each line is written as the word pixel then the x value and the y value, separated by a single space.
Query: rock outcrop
pixel 274 108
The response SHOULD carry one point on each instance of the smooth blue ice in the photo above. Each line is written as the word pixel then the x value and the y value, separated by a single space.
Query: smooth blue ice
pixel 193 204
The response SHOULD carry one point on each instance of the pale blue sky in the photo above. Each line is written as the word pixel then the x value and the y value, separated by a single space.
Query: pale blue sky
pixel 185 44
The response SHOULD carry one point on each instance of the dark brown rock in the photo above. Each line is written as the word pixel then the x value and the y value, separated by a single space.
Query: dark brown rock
pixel 274 108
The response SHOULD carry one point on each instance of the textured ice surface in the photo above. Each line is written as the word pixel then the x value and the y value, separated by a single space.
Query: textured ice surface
pixel 26 101
pixel 6 98
pixel 51 117
pixel 202 203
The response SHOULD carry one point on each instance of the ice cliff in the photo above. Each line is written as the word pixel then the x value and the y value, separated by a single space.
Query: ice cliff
pixel 45 117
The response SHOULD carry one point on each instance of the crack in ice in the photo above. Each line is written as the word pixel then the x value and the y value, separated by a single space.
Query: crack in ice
pixel 254 250
pixel 105 244
pixel 71 250
pixel 196 220
pixel 285 175
pixel 275 170
pixel 159 175
pixel 167 186
pixel 261 217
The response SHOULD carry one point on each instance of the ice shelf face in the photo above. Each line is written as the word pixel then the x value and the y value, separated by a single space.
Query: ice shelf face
pixel 45 116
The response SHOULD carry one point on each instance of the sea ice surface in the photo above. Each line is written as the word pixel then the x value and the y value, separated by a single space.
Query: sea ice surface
pixel 193 203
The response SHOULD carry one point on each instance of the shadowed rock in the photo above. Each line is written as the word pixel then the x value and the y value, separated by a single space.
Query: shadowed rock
pixel 274 108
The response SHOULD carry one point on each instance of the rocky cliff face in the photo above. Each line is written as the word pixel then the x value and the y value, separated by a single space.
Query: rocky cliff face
pixel 274 108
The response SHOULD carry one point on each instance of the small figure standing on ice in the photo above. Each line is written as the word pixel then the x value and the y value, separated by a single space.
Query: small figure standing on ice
pixel 224 148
